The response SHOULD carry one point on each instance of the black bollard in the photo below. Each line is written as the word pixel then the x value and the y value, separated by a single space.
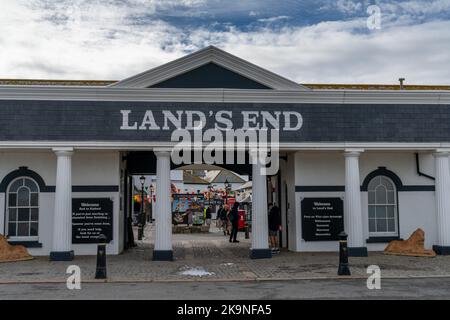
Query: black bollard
pixel 140 230
pixel 100 272
pixel 343 255
pixel 247 236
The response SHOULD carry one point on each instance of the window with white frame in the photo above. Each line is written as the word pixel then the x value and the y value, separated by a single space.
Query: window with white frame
pixel 382 207
pixel 22 203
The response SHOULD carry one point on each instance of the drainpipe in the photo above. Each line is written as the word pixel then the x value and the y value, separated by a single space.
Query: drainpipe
pixel 418 169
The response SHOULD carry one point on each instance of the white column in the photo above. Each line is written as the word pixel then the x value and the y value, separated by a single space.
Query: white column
pixel 442 201
pixel 353 214
pixel 260 233
pixel 62 220
pixel 163 220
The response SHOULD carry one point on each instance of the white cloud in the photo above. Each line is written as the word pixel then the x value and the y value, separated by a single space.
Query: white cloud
pixel 107 40
pixel 416 7
pixel 331 52
pixel 273 19
pixel 348 6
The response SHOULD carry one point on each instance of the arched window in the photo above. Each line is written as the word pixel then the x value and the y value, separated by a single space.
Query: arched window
pixel 22 205
pixel 382 207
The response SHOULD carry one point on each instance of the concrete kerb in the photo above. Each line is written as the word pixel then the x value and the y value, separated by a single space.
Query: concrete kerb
pixel 112 281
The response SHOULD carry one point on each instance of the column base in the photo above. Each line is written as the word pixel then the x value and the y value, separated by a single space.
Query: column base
pixel 61 255
pixel 442 250
pixel 162 255
pixel 357 252
pixel 260 253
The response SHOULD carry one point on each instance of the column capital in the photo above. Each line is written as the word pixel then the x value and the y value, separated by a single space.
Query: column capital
pixel 353 152
pixel 63 151
pixel 259 155
pixel 162 152
pixel 440 153
pixel 253 152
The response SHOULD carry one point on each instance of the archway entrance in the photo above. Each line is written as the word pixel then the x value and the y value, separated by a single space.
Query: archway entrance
pixel 198 194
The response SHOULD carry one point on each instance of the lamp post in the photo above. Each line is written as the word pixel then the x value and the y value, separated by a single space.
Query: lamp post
pixel 141 216
pixel 151 203
pixel 215 196
pixel 209 194
pixel 227 189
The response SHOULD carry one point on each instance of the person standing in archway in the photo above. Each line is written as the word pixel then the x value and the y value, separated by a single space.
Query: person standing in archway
pixel 234 219
pixel 274 226
pixel 223 216
pixel 208 215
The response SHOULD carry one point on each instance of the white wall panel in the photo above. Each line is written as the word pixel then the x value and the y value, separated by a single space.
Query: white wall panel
pixel 88 168
pixel 416 209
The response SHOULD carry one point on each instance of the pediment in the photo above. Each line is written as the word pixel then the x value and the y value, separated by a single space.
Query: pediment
pixel 209 68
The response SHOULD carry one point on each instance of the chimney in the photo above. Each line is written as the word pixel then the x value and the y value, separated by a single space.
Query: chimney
pixel 401 83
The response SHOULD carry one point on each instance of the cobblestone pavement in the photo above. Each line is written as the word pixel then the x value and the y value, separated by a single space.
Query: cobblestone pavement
pixel 206 257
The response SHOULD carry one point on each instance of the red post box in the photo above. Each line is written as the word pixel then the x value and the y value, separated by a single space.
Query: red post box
pixel 241 224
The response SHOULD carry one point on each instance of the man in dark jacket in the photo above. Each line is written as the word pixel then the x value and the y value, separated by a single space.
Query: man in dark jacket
pixel 234 219
pixel 274 227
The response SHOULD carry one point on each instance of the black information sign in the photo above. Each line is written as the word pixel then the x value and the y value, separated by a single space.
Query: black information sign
pixel 322 218
pixel 91 217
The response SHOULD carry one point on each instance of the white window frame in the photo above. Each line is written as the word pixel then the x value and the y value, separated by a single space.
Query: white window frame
pixel 21 238
pixel 395 205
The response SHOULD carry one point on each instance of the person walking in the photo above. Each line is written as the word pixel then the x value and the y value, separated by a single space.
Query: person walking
pixel 274 227
pixel 218 222
pixel 208 216
pixel 223 216
pixel 234 219
pixel 190 219
pixel 203 211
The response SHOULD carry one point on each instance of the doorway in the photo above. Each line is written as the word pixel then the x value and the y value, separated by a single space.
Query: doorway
pixel 194 188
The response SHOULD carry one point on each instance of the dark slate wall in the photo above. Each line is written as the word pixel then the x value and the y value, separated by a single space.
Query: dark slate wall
pixel 95 121
pixel 210 75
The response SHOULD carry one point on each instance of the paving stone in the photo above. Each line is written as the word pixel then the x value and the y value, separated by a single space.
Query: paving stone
pixel 214 258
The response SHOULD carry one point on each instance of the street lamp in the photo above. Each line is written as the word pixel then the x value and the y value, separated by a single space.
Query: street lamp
pixel 151 202
pixel 209 193
pixel 227 189
pixel 141 216
pixel 212 199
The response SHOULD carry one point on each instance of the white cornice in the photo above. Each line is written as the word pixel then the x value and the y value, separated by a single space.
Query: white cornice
pixel 65 93
pixel 202 57
pixel 298 146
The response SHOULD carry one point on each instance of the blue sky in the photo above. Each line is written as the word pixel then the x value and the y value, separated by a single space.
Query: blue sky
pixel 307 41
pixel 254 14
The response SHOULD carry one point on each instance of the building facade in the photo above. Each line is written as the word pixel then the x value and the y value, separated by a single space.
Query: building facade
pixel 372 162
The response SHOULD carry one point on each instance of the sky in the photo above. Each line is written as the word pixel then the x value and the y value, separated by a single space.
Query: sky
pixel 310 41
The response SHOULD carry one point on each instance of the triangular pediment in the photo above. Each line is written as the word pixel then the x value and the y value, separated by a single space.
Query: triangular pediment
pixel 210 75
pixel 209 68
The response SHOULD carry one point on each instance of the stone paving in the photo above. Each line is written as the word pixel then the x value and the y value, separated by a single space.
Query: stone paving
pixel 210 257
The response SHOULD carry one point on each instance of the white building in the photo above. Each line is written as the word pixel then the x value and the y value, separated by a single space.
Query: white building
pixel 370 161
pixel 221 179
